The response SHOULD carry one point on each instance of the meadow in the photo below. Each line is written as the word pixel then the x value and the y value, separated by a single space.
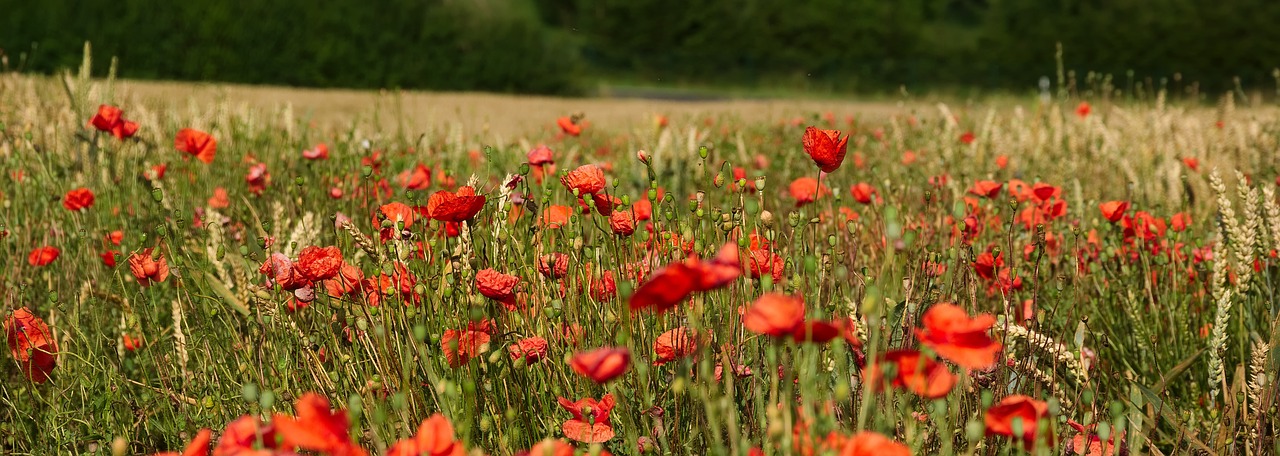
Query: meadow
pixel 1090 273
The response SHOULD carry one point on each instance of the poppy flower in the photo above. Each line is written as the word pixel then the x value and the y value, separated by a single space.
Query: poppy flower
pixel 115 237
pixel 774 314
pixel 219 200
pixel 590 422
pixel 243 436
pixel 317 428
pixel 1087 442
pixel 531 349
pixel 435 437
pixel 1002 161
pixel 1083 109
pixel 461 346
pixel 279 269
pixel 1113 211
pixel 672 284
pixel 109 258
pixel 602 364
pixel 80 198
pixel 1180 221
pixel 622 223
pixel 553 265
pixel 862 192
pixel 806 190
pixel 1043 191
pixel 916 373
pixel 967 138
pixel 950 333
pixel 197 143
pixel 586 179
pixel 569 125
pixel 825 147
pixel 497 286
pixel 999 418
pixel 319 152
pixel 551 447
pixel 1191 163
pixel 148 270
pixel 986 264
pixel 346 281
pixel 457 207
pixel 257 178
pixel 111 119
pixel 396 212
pixel 867 443
pixel 130 343
pixel 319 263
pixel 42 256
pixel 32 344
pixel 555 217
pixel 674 344
pixel 199 445
pixel 539 156
pixel 765 262
pixel 989 189
pixel 417 178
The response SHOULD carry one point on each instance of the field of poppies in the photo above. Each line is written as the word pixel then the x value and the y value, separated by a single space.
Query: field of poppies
pixel 1076 275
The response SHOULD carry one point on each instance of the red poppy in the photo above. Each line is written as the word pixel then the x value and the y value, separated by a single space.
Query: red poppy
pixel 967 137
pixel 280 271
pixel 396 212
pixel 867 443
pixel 115 237
pixel 1192 163
pixel 346 281
pixel 862 192
pixel 1002 161
pixel 550 447
pixel 1114 210
pixel 435 437
pixel 674 344
pixel 219 200
pixel 148 270
pixel 806 190
pixel 950 333
pixel 587 179
pixel 916 373
pixel 197 143
pixel 42 256
pixel 989 189
pixel 1042 191
pixel 319 263
pixel 319 152
pixel 199 445
pixel 986 264
pixel 775 314
pixel 497 286
pixel 1180 221
pixel 553 265
pixel 130 343
pixel 555 217
pixel 1000 418
pixel 80 198
pixel 257 178
pixel 590 422
pixel 242 437
pixel 531 349
pixel 109 258
pixel 316 428
pixel 672 284
pixel 32 344
pixel 461 346
pixel 602 364
pixel 765 261
pixel 825 147
pixel 622 223
pixel 569 126
pixel 454 207
pixel 540 155
pixel 1083 109
pixel 110 119
pixel 417 178
pixel 1088 443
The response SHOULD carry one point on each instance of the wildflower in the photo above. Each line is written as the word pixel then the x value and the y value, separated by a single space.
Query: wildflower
pixel 1113 211
pixel 672 284
pixel 42 256
pixel 417 178
pixel 806 190
pixel 257 178
pixel 454 207
pixel 569 125
pixel 674 344
pixel 986 264
pixel 80 198
pixel 319 263
pixel 989 189
pixel 32 344
pixel 1087 442
pixel 111 119
pixel 130 343
pixel 115 237
pixel 950 333
pixel 602 364
pixel 243 435
pixel 584 180
pixel 867 443
pixel 1191 163
pixel 197 143
pixel 531 349
pixel 590 422
pixel 967 138
pixel 553 265
pixel 147 269
pixel 316 428
pixel 555 217
pixel 219 200
pixel 825 147
pixel 1180 221
pixel 1000 418
pixel 497 286
pixel 279 270
pixel 435 437
pixel 774 314
pixel 109 258
pixel 319 152
pixel 862 192
pixel 622 223
pixel 461 346
pixel 1083 109
pixel 199 445
pixel 914 372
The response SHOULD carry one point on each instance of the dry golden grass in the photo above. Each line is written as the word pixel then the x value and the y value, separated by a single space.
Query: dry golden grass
pixel 504 115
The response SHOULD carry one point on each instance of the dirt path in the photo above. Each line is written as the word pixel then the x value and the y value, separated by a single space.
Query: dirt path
pixel 500 114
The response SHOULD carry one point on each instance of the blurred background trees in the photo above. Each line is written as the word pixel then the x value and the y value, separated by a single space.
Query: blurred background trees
pixel 566 46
